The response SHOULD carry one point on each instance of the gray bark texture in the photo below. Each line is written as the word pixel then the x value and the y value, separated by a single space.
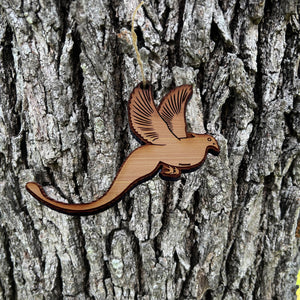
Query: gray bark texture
pixel 225 231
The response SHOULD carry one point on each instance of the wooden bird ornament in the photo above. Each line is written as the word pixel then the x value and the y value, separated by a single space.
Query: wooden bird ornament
pixel 168 147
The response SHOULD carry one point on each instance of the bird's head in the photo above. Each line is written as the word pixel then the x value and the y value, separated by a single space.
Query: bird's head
pixel 207 141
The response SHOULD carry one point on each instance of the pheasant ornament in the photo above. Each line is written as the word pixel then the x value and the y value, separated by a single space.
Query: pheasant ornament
pixel 168 148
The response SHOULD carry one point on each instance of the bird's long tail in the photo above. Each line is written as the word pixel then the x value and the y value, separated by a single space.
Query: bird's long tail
pixel 129 175
pixel 101 204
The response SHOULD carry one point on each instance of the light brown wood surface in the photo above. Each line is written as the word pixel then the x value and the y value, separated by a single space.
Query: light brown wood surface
pixel 168 148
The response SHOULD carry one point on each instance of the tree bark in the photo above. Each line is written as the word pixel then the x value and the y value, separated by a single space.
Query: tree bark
pixel 225 231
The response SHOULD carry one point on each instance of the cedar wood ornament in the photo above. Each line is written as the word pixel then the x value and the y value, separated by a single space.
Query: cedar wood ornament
pixel 168 147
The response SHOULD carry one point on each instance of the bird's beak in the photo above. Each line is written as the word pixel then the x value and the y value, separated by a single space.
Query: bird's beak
pixel 215 150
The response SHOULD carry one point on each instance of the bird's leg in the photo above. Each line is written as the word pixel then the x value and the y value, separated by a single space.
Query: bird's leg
pixel 170 171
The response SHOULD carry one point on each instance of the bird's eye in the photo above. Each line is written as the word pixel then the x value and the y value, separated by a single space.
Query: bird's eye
pixel 209 139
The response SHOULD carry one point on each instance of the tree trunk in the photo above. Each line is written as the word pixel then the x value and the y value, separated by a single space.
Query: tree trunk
pixel 225 231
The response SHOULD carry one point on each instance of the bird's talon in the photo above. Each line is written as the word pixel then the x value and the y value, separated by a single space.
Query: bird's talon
pixel 170 171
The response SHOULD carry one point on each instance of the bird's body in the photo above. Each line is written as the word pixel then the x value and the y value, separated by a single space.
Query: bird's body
pixel 168 148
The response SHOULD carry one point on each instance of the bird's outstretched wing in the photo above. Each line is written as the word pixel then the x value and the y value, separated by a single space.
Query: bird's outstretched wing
pixel 172 109
pixel 144 120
